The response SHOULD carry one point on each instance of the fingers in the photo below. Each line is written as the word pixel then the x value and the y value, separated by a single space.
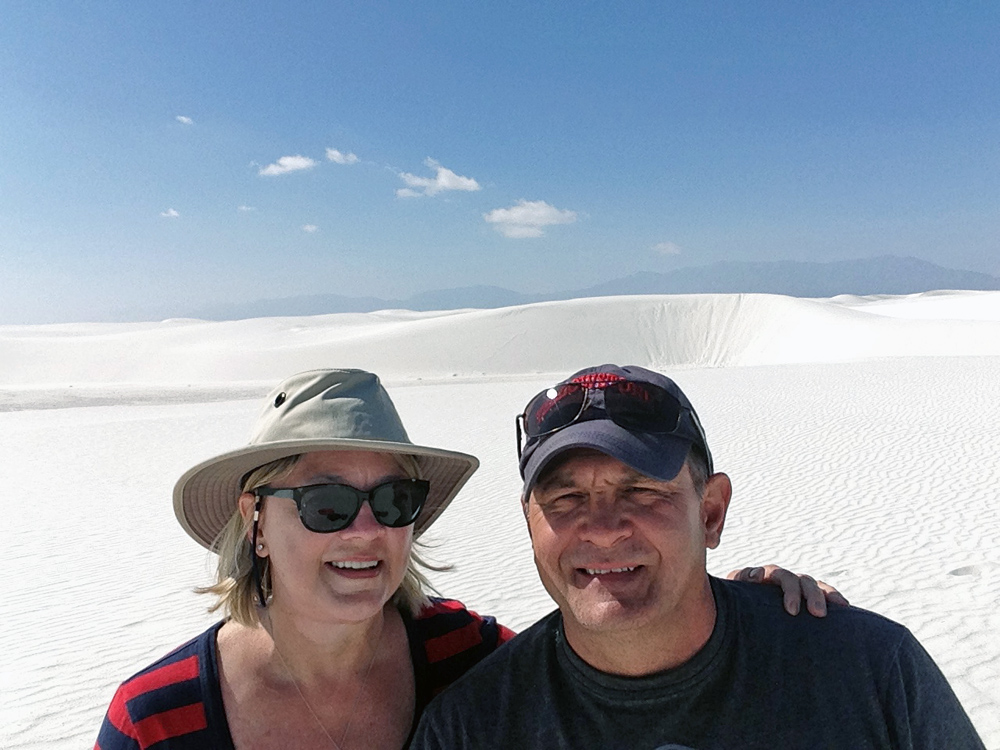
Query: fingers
pixel 832 595
pixel 815 599
pixel 791 587
pixel 794 588
pixel 818 594
pixel 749 575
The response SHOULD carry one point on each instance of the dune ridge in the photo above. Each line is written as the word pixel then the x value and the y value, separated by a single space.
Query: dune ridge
pixel 718 330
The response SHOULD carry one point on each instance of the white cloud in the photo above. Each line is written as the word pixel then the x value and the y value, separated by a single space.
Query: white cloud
pixel 340 158
pixel 245 208
pixel 527 218
pixel 667 248
pixel 170 213
pixel 287 164
pixel 310 228
pixel 444 179
pixel 184 120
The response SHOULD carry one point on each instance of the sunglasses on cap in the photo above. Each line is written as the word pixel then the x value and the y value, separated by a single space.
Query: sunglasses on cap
pixel 326 508
pixel 631 404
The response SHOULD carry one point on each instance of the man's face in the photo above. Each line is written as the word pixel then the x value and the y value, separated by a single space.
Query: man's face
pixel 618 550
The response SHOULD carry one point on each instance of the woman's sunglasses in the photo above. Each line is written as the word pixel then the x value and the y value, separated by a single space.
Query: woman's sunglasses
pixel 326 508
pixel 633 405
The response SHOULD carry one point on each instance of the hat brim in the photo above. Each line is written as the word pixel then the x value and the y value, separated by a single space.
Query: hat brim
pixel 654 455
pixel 205 497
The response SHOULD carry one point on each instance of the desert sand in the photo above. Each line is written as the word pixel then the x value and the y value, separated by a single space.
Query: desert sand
pixel 862 436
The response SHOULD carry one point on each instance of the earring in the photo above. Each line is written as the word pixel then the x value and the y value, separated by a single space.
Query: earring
pixel 260 546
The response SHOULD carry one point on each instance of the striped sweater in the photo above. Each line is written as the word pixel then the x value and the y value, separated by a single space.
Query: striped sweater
pixel 176 702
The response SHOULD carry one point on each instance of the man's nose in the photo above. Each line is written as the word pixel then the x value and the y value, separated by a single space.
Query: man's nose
pixel 605 525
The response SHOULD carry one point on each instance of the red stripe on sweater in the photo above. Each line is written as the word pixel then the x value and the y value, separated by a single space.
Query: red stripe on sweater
pixel 118 715
pixel 436 608
pixel 504 634
pixel 172 723
pixel 185 669
pixel 454 642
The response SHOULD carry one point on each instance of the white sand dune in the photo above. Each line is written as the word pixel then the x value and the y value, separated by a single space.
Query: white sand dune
pixel 861 435
pixel 733 330
pixel 928 306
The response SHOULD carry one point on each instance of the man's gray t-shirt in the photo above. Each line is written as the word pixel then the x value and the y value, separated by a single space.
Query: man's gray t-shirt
pixel 765 679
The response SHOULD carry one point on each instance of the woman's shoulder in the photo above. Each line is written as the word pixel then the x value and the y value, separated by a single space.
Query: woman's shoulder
pixel 168 695
pixel 446 640
pixel 182 663
pixel 459 626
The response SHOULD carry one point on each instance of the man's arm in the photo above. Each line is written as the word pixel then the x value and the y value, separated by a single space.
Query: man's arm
pixel 922 711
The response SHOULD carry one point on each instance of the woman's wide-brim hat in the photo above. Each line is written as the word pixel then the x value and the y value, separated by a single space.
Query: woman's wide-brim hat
pixel 319 410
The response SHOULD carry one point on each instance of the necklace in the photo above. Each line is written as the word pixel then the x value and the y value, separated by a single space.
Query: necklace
pixel 364 680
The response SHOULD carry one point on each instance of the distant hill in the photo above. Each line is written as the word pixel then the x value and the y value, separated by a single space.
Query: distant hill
pixel 883 275
pixel 485 297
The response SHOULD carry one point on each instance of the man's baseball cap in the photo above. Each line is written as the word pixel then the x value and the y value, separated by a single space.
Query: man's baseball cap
pixel 635 415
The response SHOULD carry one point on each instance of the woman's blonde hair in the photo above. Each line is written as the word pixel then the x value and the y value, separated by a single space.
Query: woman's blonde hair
pixel 234 587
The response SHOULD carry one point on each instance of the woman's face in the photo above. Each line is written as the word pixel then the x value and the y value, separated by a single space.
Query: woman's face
pixel 344 576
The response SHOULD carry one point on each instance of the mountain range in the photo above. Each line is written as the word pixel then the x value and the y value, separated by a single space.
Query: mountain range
pixel 881 275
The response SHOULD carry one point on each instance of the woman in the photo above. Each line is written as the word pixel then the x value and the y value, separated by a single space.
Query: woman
pixel 329 640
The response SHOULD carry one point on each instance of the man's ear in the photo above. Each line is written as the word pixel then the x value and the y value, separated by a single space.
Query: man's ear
pixel 714 505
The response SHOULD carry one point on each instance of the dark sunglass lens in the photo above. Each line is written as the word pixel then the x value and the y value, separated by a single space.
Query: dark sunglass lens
pixel 330 507
pixel 642 407
pixel 399 503
pixel 553 409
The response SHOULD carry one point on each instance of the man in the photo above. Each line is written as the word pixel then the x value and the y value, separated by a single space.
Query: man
pixel 646 649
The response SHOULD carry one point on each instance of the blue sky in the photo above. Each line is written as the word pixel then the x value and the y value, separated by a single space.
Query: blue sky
pixel 155 158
